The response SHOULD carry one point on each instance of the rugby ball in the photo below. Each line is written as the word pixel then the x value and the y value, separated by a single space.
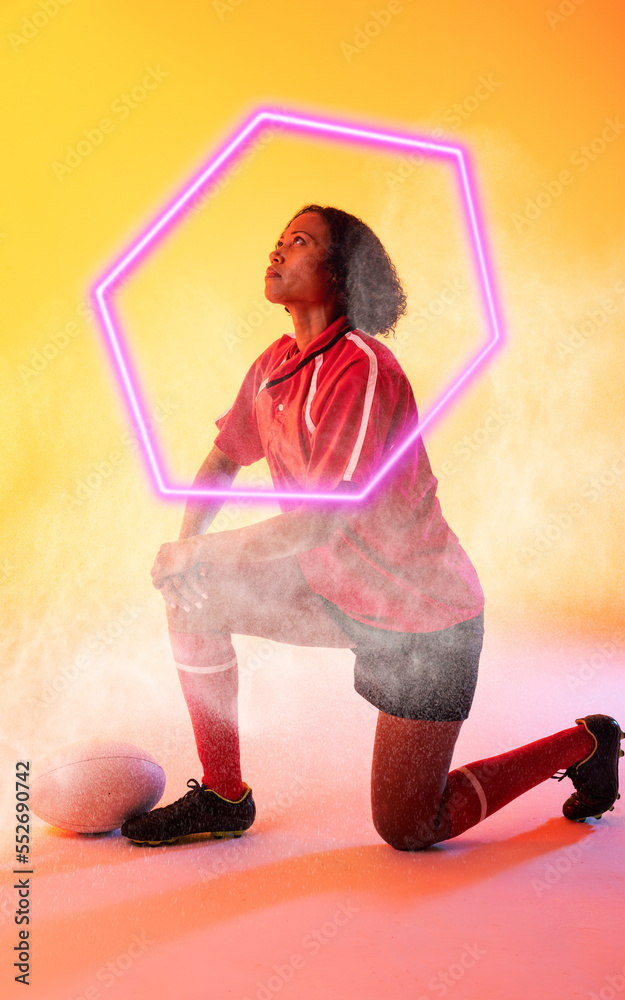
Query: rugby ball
pixel 93 786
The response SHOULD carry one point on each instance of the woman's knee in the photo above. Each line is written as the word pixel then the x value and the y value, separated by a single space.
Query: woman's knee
pixel 408 779
pixel 405 832
pixel 195 620
pixel 402 839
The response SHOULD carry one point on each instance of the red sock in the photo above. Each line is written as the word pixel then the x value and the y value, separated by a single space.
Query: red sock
pixel 207 669
pixel 481 788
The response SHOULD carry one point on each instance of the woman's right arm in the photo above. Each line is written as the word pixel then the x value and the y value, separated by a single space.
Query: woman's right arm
pixel 217 472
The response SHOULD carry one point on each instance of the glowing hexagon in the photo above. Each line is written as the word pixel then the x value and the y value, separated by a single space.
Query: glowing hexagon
pixel 103 291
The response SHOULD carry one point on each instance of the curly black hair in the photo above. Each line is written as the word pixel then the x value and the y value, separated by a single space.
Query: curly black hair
pixel 369 291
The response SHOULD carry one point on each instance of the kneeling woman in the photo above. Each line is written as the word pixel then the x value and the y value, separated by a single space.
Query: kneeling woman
pixel 326 405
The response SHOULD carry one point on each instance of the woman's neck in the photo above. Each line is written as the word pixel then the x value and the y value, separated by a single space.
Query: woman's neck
pixel 311 320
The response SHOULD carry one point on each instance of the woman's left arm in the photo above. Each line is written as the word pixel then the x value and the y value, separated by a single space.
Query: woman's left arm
pixel 277 537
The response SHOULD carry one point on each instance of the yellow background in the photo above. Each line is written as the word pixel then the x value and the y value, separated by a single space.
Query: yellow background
pixel 74 556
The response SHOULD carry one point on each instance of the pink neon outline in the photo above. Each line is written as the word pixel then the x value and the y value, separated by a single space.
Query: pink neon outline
pixel 121 360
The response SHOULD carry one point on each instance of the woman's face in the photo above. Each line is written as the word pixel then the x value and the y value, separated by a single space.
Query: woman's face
pixel 297 272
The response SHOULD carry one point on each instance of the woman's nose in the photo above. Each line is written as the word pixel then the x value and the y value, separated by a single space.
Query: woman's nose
pixel 274 256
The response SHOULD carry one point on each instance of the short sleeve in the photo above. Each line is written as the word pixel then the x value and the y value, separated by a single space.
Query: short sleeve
pixel 238 436
pixel 361 420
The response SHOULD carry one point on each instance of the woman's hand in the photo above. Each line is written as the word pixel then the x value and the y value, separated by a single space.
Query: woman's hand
pixel 175 558
pixel 176 573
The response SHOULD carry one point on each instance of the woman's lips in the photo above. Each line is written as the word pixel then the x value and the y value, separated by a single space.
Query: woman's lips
pixel 270 273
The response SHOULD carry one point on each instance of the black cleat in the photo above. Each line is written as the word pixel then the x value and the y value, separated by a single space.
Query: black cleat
pixel 596 776
pixel 200 810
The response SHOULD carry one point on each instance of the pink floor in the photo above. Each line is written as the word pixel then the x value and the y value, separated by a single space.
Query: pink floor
pixel 310 903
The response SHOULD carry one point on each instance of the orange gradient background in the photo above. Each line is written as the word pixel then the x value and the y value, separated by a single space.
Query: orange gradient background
pixel 530 458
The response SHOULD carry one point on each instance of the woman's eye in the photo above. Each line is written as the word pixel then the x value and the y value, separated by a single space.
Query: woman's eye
pixel 278 245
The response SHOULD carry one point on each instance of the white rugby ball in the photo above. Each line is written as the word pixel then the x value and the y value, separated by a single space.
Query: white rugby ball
pixel 93 786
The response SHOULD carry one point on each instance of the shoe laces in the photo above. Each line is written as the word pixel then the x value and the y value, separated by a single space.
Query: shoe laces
pixel 571 772
pixel 195 787
pixel 568 773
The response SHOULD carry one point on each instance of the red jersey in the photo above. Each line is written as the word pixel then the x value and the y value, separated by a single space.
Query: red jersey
pixel 328 417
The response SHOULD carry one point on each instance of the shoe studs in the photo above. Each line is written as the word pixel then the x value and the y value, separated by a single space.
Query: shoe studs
pixel 153 843
pixel 220 835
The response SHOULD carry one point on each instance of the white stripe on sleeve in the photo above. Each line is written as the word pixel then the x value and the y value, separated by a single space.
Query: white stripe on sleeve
pixel 262 386
pixel 366 412
pixel 311 393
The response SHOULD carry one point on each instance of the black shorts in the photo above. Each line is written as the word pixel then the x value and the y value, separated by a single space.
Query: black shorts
pixel 429 676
